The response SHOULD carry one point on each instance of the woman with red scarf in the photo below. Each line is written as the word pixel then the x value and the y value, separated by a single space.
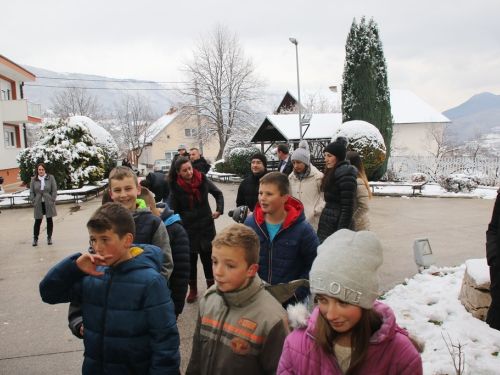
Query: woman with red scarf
pixel 189 191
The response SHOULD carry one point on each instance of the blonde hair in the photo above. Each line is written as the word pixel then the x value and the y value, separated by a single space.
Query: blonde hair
pixel 120 172
pixel 242 237
pixel 355 159
pixel 147 196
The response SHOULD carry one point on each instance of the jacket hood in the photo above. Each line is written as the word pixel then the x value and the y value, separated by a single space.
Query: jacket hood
pixel 293 207
pixel 140 211
pixel 143 256
pixel 169 217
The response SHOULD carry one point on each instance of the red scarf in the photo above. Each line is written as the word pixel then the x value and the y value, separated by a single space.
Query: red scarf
pixel 192 187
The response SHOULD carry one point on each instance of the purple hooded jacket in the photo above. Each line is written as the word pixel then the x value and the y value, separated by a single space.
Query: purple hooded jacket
pixel 391 352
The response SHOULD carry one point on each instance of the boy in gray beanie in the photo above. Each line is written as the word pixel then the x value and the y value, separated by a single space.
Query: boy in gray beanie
pixel 305 184
pixel 348 324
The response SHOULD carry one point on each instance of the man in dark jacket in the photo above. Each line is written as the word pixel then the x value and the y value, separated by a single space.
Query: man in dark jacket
pixel 286 165
pixel 198 161
pixel 248 192
pixel 157 183
pixel 492 256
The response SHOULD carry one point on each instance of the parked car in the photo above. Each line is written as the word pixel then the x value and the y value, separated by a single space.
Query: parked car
pixel 162 165
pixel 1 187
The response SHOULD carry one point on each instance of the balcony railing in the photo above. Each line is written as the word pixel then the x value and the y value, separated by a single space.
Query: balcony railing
pixel 19 111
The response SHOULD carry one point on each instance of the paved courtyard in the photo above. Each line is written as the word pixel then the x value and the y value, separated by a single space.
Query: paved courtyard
pixel 34 338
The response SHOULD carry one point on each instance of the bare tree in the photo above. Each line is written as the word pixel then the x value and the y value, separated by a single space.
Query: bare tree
pixel 440 141
pixel 226 87
pixel 135 120
pixel 77 101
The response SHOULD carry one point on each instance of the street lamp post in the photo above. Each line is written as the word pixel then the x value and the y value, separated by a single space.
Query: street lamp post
pixel 296 42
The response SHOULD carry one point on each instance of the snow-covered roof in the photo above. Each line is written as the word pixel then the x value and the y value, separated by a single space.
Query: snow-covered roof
pixel 321 127
pixel 406 107
pixel 159 125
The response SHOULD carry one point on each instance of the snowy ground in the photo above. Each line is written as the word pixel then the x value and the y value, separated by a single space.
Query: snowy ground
pixel 433 190
pixel 428 306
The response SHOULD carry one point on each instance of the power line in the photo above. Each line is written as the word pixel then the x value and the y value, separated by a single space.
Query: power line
pixel 108 80
pixel 99 88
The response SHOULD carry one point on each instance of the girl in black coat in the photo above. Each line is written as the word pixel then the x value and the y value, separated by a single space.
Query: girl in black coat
pixel 189 191
pixel 339 186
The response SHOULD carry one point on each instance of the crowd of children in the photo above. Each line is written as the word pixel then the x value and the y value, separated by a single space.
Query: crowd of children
pixel 128 290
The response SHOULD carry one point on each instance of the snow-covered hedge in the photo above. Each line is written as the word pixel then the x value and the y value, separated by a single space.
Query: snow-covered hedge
pixel 70 152
pixel 240 159
pixel 366 140
pixel 459 183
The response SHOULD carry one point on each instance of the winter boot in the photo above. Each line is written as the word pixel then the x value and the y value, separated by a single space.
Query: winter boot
pixel 49 240
pixel 193 291
pixel 35 241
pixel 210 282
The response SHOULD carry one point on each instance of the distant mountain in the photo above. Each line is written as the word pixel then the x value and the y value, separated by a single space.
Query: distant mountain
pixel 108 90
pixel 481 112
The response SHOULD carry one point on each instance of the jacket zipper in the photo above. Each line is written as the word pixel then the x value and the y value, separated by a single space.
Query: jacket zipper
pixel 270 272
pixel 218 342
pixel 104 319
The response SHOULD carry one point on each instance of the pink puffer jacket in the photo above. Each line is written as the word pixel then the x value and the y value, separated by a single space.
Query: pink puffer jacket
pixel 391 351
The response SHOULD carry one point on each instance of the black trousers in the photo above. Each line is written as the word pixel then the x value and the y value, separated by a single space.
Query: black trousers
pixel 206 261
pixel 38 223
pixel 493 317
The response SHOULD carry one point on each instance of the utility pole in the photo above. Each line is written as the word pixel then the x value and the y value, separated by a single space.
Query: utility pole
pixel 200 142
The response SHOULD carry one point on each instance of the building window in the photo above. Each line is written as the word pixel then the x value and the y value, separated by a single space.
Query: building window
pixel 190 133
pixel 169 155
pixel 4 95
pixel 10 137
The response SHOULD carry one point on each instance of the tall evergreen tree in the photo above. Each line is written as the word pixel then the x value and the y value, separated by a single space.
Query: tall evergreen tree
pixel 365 92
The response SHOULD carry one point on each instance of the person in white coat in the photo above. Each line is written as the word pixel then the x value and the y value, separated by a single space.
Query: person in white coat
pixel 305 183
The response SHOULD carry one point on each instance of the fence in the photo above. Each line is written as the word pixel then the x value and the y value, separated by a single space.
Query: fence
pixel 487 170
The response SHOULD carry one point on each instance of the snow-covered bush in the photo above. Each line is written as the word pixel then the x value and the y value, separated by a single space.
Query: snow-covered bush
pixel 458 183
pixel 240 159
pixel 103 139
pixel 419 177
pixel 222 166
pixel 366 140
pixel 70 153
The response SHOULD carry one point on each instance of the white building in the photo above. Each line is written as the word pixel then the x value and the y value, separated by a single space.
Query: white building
pixel 15 112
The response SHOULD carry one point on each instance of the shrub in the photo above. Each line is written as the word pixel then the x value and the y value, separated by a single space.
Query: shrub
pixel 458 183
pixel 419 177
pixel 70 153
pixel 223 167
pixel 241 158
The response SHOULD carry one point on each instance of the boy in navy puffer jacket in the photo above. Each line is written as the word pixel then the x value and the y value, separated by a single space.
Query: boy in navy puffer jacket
pixel 128 316
pixel 288 242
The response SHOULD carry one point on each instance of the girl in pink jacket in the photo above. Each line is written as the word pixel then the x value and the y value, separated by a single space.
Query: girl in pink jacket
pixel 348 333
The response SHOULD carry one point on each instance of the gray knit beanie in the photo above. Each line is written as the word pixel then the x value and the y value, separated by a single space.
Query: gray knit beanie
pixel 302 153
pixel 346 268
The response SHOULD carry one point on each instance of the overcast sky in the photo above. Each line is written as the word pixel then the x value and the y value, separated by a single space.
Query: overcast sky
pixel 444 51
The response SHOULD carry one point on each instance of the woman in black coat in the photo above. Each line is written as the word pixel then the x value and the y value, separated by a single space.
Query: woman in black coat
pixel 189 191
pixel 339 186
pixel 493 256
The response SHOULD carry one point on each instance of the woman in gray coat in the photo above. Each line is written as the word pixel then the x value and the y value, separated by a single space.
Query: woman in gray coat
pixel 43 193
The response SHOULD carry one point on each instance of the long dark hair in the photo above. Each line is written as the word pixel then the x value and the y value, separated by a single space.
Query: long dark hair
pixel 176 167
pixel 370 322
pixel 44 167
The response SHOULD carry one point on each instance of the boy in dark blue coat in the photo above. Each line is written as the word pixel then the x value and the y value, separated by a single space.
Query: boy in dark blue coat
pixel 288 242
pixel 128 317
pixel 181 254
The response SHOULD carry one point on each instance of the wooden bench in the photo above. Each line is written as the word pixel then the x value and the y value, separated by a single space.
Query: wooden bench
pixel 222 177
pixel 413 185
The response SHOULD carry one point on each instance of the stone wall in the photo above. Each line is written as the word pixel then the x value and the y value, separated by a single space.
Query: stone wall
pixel 475 298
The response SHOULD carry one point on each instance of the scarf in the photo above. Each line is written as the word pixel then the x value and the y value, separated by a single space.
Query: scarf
pixel 306 173
pixel 42 181
pixel 191 188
